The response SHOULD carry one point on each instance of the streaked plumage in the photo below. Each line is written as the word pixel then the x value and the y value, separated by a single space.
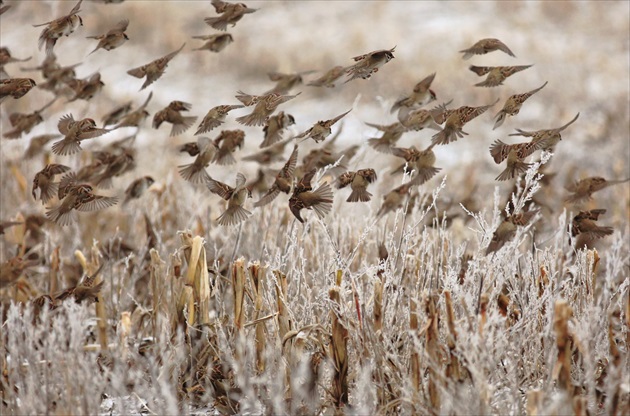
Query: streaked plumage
pixel 547 138
pixel 43 181
pixel 454 123
pixel 358 182
pixel 172 114
pixel 422 94
pixel 304 197
pixel 196 171
pixel 321 129
pixel 420 161
pixel 154 69
pixel 265 105
pixel 236 197
pixel 513 105
pixel 215 117
pixel 584 225
pixel 369 63
pixel 273 128
pixel 62 26
pixel 583 189
pixel 496 74
pixel 114 38
pixel 227 143
pixel 15 87
pixel 75 132
pixel 230 14
pixel 283 181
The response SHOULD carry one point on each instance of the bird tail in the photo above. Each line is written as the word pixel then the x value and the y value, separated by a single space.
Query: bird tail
pixel 61 217
pixel 179 128
pixel 499 151
pixel 233 215
pixel 253 119
pixel 447 135
pixel 193 174
pixel 380 145
pixel 217 23
pixel 324 200
pixel 512 170
pixel 359 195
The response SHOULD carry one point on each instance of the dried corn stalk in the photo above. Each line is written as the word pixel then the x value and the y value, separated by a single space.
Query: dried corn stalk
pixel 338 350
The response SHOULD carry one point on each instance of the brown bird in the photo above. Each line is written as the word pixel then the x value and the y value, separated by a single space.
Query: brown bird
pixel 75 132
pixel 136 117
pixel 395 199
pixel 507 229
pixel 420 161
pixel 583 225
pixel 274 127
pixel 321 129
pixel 85 89
pixel 513 105
pixel 76 197
pixel 420 118
pixel 584 189
pixel 369 63
pixel 37 144
pixel 12 269
pixel 265 105
pixel 328 79
pixel 227 143
pixel 114 38
pixel 196 171
pixel 236 197
pixel 116 114
pixel 358 182
pixel 547 138
pixel 485 46
pixel 172 114
pixel 23 123
pixel 191 148
pixel 269 154
pixel 391 134
pixel 455 122
pixel 514 153
pixel 230 14
pixel 422 94
pixel 283 181
pixel 43 181
pixel 62 26
pixel 154 69
pixel 303 197
pixel 85 290
pixel 137 188
pixel 15 87
pixel 215 117
pixel 214 43
pixel 285 82
pixel 496 74
pixel 59 78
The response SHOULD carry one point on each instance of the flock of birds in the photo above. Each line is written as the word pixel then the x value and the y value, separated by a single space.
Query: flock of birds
pixel 77 191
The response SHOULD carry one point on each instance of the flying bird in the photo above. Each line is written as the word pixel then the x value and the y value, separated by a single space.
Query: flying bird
pixel 547 138
pixel 15 87
pixel 513 105
pixel 114 38
pixel 304 197
pixel 154 69
pixel 75 132
pixel 454 123
pixel 214 43
pixel 215 117
pixel 328 79
pixel 422 94
pixel 264 106
pixel 230 13
pixel 172 114
pixel 273 128
pixel 283 181
pixel 485 46
pixel 496 74
pixel 358 182
pixel 584 189
pixel 62 26
pixel 236 197
pixel 369 63
pixel 321 129
pixel 196 171
pixel 43 181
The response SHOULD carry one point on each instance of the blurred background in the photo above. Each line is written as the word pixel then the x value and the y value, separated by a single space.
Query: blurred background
pixel 580 47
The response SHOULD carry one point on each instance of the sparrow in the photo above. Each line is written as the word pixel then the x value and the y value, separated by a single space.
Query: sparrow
pixel 421 161
pixel 114 38
pixel 58 77
pixel 15 87
pixel 358 182
pixel 269 154
pixel 196 171
pixel 441 112
pixel 136 117
pixel 75 132
pixel 227 142
pixel 455 122
pixel 285 82
pixel 85 89
pixel 547 138
pixel 391 134
pixel 369 63
pixel 118 166
pixel 191 148
pixel 321 129
pixel 422 94
pixel 85 290
pixel 215 117
pixel 137 188
pixel 37 143
pixel 62 26
pixel 583 224
pixel 513 105
pixel 496 74
pixel 583 189
pixel 236 197
pixel 230 14
pixel 283 181
pixel 12 269
pixel 76 197
pixel 154 69
pixel 514 153
pixel 394 199
pixel 328 79
pixel 420 118
pixel 43 181
pixel 265 105
pixel 214 43
pixel 171 114
pixel 304 196
pixel 507 229
pixel 485 46
pixel 273 128
pixel 6 58
pixel 23 123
